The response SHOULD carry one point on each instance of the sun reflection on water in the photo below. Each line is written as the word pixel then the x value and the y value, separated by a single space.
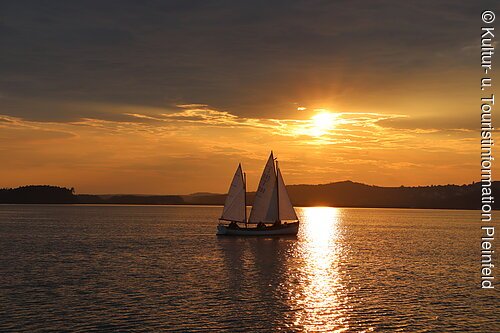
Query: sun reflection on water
pixel 318 296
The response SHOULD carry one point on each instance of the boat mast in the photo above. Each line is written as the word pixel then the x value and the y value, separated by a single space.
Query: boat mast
pixel 245 189
pixel 277 189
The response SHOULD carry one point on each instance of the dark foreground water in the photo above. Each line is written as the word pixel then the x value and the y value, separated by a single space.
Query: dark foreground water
pixel 160 268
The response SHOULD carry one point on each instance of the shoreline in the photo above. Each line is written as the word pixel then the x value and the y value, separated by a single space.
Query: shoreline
pixel 220 206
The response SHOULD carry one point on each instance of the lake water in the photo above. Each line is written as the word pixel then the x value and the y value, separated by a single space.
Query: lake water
pixel 161 268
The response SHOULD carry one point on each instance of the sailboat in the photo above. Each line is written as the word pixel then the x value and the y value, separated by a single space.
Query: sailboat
pixel 272 212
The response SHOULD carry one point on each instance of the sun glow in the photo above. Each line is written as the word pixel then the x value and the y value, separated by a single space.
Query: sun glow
pixel 322 122
pixel 319 293
pixel 321 231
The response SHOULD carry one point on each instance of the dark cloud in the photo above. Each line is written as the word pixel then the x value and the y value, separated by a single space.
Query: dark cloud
pixel 251 57
pixel 431 123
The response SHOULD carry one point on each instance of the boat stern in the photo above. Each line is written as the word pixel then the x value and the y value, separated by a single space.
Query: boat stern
pixel 221 230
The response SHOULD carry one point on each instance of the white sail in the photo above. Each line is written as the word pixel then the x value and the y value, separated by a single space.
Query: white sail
pixel 234 207
pixel 286 211
pixel 265 204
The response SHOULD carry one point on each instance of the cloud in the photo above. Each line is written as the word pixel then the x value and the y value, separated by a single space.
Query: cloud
pixel 16 130
pixel 429 124
pixel 253 59
pixel 195 123
pixel 345 127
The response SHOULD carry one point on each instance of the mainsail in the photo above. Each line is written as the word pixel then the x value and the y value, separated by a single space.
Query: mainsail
pixel 234 207
pixel 265 204
pixel 286 211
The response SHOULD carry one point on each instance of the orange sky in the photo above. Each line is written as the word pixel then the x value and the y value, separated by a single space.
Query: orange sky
pixel 191 148
pixel 122 101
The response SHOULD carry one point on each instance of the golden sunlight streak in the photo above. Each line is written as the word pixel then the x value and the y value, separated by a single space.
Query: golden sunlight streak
pixel 320 229
pixel 320 297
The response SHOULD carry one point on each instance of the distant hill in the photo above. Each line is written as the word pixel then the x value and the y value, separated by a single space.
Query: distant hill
pixel 130 199
pixel 46 194
pixel 339 194
pixel 205 199
pixel 351 194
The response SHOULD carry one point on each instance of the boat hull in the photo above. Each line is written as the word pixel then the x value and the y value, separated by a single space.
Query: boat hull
pixel 290 229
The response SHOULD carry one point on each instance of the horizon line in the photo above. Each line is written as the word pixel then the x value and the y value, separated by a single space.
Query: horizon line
pixel 215 193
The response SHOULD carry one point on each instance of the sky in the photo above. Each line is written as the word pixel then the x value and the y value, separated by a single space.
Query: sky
pixel 161 97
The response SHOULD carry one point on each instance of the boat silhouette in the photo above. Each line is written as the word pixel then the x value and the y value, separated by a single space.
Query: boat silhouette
pixel 272 211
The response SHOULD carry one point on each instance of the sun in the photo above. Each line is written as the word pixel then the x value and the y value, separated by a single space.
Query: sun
pixel 322 122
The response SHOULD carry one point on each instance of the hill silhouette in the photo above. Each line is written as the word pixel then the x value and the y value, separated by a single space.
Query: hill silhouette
pixel 130 199
pixel 352 194
pixel 46 194
pixel 338 194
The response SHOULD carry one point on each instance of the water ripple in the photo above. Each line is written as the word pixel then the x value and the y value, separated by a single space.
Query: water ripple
pixel 143 269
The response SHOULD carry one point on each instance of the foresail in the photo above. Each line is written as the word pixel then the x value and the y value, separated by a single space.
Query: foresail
pixel 286 211
pixel 234 207
pixel 265 204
